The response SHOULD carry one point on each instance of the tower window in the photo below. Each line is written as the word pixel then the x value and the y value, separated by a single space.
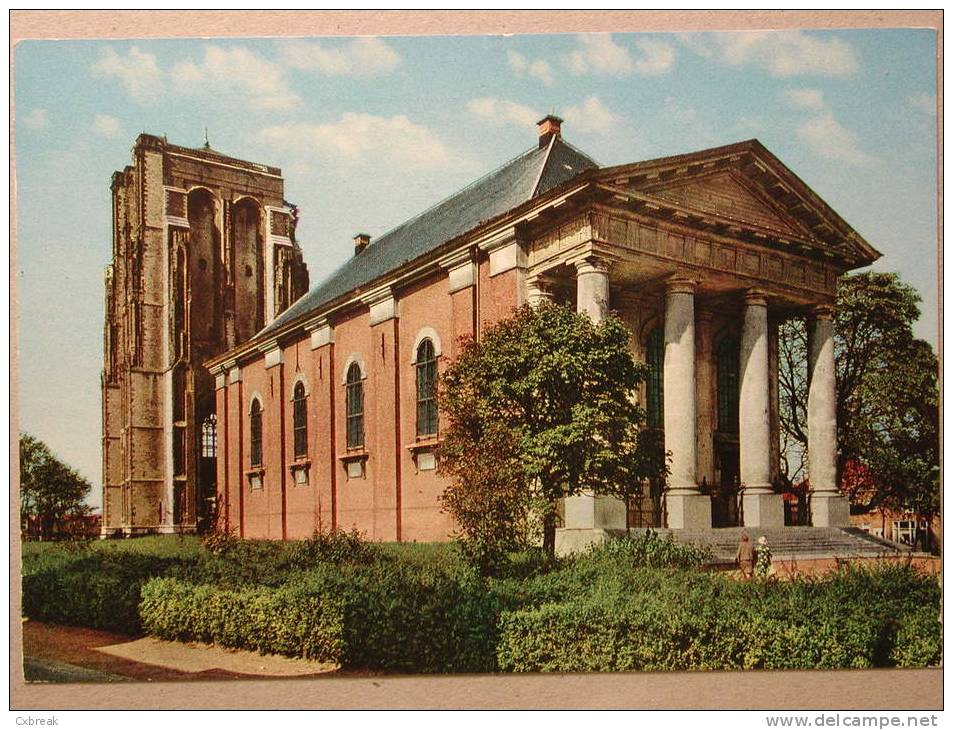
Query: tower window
pixel 209 446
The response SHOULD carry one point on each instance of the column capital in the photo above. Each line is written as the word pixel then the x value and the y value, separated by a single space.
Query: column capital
pixel 680 285
pixel 590 264
pixel 756 298
pixel 822 311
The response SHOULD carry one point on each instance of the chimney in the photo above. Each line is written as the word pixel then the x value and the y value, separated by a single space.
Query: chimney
pixel 549 127
pixel 360 242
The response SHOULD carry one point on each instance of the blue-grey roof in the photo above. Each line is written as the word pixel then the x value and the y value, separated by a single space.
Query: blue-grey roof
pixel 531 174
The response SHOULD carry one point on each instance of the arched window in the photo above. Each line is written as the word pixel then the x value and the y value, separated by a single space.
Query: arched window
pixel 255 425
pixel 355 407
pixel 208 437
pixel 300 421
pixel 654 394
pixel 426 389
pixel 728 386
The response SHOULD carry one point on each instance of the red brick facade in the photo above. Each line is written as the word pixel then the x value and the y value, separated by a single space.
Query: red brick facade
pixel 393 493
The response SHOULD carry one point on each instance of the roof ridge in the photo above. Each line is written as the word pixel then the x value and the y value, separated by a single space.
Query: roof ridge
pixel 542 168
pixel 454 194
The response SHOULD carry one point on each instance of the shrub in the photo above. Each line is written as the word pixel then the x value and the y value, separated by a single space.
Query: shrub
pixel 100 591
pixel 270 620
pixel 648 550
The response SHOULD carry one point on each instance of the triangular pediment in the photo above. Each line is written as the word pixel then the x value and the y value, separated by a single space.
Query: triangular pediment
pixel 741 189
pixel 724 195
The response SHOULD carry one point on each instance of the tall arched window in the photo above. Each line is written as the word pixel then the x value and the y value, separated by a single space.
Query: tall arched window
pixel 209 445
pixel 728 386
pixel 300 421
pixel 255 426
pixel 654 394
pixel 355 407
pixel 426 389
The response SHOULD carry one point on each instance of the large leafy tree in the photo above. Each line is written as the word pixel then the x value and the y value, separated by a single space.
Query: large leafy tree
pixel 50 491
pixel 887 397
pixel 540 407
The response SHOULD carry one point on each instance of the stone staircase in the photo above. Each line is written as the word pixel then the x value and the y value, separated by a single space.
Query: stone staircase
pixel 787 543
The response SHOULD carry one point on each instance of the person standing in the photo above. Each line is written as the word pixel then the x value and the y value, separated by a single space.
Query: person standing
pixel 763 558
pixel 745 557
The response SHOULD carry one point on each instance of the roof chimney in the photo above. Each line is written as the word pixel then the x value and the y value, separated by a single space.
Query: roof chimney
pixel 549 126
pixel 360 242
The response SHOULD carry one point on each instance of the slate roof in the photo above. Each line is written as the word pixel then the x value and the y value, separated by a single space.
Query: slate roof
pixel 529 175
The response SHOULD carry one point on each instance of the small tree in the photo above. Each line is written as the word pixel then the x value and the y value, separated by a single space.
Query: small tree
pixel 541 407
pixel 50 491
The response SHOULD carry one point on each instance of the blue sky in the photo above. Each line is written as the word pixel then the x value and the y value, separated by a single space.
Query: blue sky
pixel 370 131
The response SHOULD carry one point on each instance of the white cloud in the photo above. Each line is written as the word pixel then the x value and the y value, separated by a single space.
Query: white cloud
pixel 804 98
pixel 538 69
pixel 923 102
pixel 105 125
pixel 239 72
pixel 36 119
pixel 657 57
pixel 599 54
pixel 499 112
pixel 358 138
pixel 592 116
pixel 827 138
pixel 361 57
pixel 137 71
pixel 780 53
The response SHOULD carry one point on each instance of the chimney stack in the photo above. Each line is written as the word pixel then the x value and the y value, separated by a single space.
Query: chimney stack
pixel 549 126
pixel 360 242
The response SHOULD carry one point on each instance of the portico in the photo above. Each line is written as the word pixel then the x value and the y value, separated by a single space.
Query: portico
pixel 702 258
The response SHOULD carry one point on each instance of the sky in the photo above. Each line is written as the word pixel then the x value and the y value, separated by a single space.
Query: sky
pixel 370 131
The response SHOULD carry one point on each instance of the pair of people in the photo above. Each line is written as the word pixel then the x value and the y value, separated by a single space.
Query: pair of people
pixel 751 560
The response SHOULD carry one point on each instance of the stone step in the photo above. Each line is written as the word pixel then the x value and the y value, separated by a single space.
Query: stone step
pixel 787 542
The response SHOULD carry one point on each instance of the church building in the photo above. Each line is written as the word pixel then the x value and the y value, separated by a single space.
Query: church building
pixel 326 417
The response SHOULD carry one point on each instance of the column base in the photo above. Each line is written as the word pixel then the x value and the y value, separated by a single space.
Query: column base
pixel 588 511
pixel 829 510
pixel 762 510
pixel 571 541
pixel 688 511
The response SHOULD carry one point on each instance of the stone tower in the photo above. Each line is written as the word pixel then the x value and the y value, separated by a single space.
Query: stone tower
pixel 204 256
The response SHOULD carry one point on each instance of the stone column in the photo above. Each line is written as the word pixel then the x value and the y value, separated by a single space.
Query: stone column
pixel 586 510
pixel 686 507
pixel 538 290
pixel 592 288
pixel 828 507
pixel 760 505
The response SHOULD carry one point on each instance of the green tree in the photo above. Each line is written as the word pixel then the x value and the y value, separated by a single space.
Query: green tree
pixel 887 396
pixel 540 407
pixel 50 491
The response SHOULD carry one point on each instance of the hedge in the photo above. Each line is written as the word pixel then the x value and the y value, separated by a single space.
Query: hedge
pixel 269 620
pixel 683 621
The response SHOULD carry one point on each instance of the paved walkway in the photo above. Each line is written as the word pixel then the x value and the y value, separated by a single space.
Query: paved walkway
pixel 70 654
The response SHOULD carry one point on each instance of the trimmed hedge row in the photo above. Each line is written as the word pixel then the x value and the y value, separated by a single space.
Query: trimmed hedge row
pixel 704 622
pixel 270 620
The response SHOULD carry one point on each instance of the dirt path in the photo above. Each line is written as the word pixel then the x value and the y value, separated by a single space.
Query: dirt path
pixel 71 654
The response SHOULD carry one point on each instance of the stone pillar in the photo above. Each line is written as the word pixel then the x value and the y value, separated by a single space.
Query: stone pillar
pixel 760 505
pixel 586 510
pixel 686 507
pixel 538 290
pixel 828 507
pixel 592 288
